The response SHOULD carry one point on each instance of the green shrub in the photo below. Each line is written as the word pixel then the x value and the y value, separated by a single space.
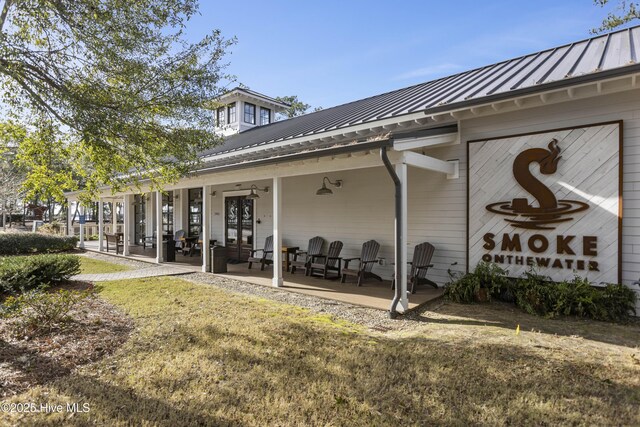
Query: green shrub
pixel 617 302
pixel 539 295
pixel 467 288
pixel 534 293
pixel 39 311
pixel 32 243
pixel 576 298
pixel 23 273
pixel 463 289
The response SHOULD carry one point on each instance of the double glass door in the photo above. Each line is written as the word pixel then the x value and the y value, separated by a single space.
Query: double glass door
pixel 239 227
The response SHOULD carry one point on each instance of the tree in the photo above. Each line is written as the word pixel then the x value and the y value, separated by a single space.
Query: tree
pixel 625 12
pixel 11 176
pixel 112 85
pixel 296 107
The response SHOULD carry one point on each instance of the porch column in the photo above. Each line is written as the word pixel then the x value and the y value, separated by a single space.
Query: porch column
pixel 277 232
pixel 206 227
pixel 159 231
pixel 81 210
pixel 114 217
pixel 100 225
pixel 69 218
pixel 126 229
pixel 401 264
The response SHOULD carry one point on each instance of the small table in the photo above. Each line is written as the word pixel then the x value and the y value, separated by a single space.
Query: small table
pixel 288 250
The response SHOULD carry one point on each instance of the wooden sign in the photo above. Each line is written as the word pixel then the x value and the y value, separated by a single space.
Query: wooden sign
pixel 550 199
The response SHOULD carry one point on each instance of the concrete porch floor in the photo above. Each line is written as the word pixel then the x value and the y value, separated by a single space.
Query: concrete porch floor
pixel 372 294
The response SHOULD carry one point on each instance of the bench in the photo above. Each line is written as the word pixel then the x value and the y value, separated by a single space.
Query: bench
pixel 114 239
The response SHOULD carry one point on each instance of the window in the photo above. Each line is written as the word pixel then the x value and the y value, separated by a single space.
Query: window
pixel 265 116
pixel 195 212
pixel 167 213
pixel 231 113
pixel 221 121
pixel 249 113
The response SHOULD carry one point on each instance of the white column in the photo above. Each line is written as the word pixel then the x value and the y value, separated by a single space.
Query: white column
pixel 206 227
pixel 81 210
pixel 277 232
pixel 159 248
pixel 150 214
pixel 100 225
pixel 126 224
pixel 114 217
pixel 401 264
pixel 69 218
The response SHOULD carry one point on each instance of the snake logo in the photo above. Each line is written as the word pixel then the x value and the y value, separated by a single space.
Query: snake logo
pixel 549 210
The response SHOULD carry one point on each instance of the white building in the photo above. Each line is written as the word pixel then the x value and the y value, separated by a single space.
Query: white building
pixel 531 160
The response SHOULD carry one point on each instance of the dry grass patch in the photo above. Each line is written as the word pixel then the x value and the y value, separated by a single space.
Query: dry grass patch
pixel 202 356
pixel 95 266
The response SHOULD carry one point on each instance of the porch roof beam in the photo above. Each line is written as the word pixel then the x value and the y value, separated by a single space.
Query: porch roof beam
pixel 426 142
pixel 429 163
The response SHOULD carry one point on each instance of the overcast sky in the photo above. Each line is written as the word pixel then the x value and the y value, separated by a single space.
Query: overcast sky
pixel 331 52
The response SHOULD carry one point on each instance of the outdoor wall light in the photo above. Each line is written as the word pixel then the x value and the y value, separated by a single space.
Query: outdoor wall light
pixel 213 194
pixel 177 196
pixel 254 189
pixel 324 191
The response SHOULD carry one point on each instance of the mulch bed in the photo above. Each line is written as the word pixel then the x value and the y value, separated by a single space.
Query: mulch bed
pixel 97 330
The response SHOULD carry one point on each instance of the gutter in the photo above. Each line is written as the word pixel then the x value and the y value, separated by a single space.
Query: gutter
pixel 352 148
pixel 393 313
pixel 345 149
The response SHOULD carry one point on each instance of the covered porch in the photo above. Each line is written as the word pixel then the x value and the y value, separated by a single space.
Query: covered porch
pixel 372 294
pixel 290 201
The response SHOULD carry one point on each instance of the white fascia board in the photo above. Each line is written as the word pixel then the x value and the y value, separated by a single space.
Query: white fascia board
pixel 426 142
pixel 336 133
pixel 429 163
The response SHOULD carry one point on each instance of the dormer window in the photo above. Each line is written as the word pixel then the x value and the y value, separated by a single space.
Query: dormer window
pixel 231 113
pixel 265 116
pixel 221 121
pixel 249 113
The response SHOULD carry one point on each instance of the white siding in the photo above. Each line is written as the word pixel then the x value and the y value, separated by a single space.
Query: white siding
pixel 623 106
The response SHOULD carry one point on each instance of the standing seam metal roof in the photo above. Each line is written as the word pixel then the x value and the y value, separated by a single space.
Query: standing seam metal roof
pixel 586 57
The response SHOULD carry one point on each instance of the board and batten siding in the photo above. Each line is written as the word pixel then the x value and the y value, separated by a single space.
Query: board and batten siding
pixel 363 209
pixel 622 106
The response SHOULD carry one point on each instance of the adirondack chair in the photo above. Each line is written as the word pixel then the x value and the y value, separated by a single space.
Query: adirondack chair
pixel 420 264
pixel 267 254
pixel 314 249
pixel 321 265
pixel 196 245
pixel 180 242
pixel 368 257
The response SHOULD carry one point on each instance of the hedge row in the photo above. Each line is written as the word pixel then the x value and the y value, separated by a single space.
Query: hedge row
pixel 22 273
pixel 34 243
pixel 537 294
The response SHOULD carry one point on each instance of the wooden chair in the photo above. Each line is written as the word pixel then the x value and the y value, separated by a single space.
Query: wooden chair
pixel 180 242
pixel 368 257
pixel 195 245
pixel 114 239
pixel 322 264
pixel 267 254
pixel 314 249
pixel 420 264
pixel 146 241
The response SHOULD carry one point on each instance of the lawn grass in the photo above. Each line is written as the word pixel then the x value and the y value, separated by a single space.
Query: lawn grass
pixel 203 356
pixel 95 266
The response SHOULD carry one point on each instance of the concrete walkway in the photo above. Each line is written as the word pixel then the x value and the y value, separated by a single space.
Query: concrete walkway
pixel 133 274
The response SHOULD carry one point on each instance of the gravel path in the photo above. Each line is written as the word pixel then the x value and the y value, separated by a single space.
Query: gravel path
pixel 369 317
